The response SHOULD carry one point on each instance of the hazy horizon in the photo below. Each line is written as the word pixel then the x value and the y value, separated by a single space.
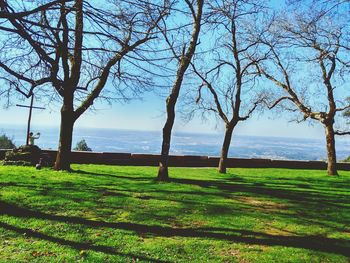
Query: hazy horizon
pixel 128 117
pixel 184 143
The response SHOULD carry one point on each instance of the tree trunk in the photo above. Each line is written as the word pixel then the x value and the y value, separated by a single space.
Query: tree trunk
pixel 63 158
pixel 163 174
pixel 185 61
pixel 331 153
pixel 225 148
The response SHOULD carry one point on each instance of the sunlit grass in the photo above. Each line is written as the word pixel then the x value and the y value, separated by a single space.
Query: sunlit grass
pixel 120 214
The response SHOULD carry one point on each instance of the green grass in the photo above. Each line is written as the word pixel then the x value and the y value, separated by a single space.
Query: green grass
pixel 120 214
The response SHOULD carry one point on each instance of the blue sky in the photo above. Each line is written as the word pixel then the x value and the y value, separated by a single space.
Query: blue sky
pixel 149 115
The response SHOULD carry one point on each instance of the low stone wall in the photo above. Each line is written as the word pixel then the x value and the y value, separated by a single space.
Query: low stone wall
pixel 186 161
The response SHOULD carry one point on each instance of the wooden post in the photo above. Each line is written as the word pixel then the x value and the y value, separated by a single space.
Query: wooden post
pixel 29 118
pixel 31 107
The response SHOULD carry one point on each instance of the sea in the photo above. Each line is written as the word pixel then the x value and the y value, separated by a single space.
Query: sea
pixel 184 143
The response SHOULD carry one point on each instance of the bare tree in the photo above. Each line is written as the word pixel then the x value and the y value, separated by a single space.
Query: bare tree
pixel 27 12
pixel 309 63
pixel 323 6
pixel 195 9
pixel 76 48
pixel 228 88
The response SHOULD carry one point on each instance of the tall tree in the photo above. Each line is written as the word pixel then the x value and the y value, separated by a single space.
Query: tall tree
pixel 195 8
pixel 76 48
pixel 228 88
pixel 309 60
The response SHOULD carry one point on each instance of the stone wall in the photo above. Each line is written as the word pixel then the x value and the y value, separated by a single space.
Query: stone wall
pixel 186 161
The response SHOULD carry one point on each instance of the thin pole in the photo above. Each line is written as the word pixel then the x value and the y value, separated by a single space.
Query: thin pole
pixel 29 118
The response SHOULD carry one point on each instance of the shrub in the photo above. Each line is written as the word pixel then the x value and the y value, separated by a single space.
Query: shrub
pixel 82 146
pixel 6 142
pixel 347 160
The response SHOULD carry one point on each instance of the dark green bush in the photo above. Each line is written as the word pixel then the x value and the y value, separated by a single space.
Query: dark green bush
pixel 6 142
pixel 347 160
pixel 82 146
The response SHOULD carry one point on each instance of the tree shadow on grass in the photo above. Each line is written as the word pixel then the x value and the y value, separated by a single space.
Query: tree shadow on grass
pixel 274 190
pixel 309 192
pixel 317 243
pixel 73 244
pixel 307 205
pixel 103 190
pixel 317 206
pixel 132 176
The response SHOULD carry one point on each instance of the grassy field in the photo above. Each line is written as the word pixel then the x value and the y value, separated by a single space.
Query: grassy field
pixel 120 214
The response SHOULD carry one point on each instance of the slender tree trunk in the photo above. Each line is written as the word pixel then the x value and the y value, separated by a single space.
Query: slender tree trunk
pixel 331 153
pixel 225 148
pixel 63 158
pixel 163 174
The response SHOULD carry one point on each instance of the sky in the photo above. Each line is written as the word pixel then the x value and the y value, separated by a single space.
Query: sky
pixel 128 116
pixel 148 114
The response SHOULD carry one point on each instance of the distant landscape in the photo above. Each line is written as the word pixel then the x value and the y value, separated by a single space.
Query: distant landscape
pixel 110 140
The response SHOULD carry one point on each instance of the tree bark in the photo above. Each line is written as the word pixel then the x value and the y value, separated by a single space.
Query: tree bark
pixel 63 158
pixel 225 148
pixel 331 153
pixel 163 174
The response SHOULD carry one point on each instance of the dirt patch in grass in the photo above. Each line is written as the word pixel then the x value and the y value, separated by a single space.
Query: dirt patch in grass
pixel 262 204
pixel 277 231
pixel 192 224
pixel 232 253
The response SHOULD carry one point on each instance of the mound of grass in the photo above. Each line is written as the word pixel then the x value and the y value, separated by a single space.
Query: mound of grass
pixel 25 155
pixel 120 214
